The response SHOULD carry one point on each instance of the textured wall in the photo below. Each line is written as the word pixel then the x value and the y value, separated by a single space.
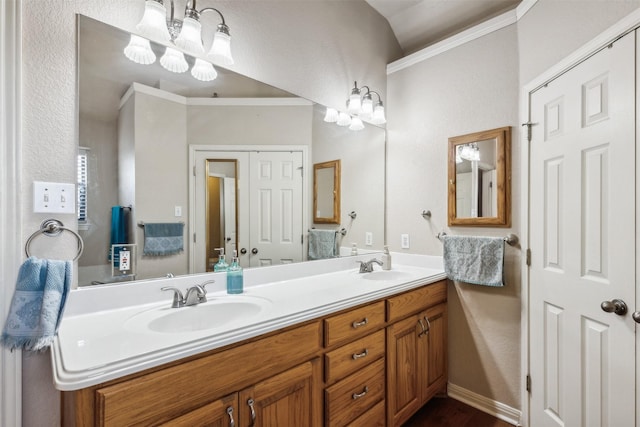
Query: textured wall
pixel 468 89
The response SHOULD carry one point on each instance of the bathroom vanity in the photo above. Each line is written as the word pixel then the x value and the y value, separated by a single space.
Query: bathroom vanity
pixel 370 352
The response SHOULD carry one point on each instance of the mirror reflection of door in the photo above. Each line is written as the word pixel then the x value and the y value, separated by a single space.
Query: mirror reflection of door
pixel 476 179
pixel 221 209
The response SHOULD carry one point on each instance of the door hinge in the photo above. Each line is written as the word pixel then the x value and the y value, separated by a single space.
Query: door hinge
pixel 194 170
pixel 528 257
pixel 528 383
pixel 194 237
pixel 529 124
pixel 302 239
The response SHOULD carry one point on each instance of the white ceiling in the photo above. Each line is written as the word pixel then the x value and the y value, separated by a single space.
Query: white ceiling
pixel 420 23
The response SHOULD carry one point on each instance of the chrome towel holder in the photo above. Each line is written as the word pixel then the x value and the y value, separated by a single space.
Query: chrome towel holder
pixel 510 239
pixel 52 228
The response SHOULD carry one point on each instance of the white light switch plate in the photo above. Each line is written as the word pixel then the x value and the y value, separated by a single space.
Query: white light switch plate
pixel 404 241
pixel 54 197
pixel 368 238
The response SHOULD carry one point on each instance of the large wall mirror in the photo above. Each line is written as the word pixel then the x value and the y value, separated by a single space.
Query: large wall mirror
pixel 479 191
pixel 326 192
pixel 137 126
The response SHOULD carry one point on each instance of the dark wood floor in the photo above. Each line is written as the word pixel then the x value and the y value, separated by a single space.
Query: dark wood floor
pixel 447 412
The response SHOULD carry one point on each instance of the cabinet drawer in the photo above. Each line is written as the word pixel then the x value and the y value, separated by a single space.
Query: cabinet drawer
pixel 351 397
pixel 414 301
pixel 353 356
pixel 374 417
pixel 353 323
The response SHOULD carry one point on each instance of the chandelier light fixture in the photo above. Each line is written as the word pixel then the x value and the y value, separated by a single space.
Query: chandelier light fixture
pixel 468 152
pixel 360 106
pixel 185 34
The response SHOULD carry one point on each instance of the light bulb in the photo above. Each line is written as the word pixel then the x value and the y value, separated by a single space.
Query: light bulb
pixel 139 51
pixel 354 105
pixel 203 71
pixel 154 21
pixel 190 38
pixel 343 119
pixel 367 106
pixel 331 116
pixel 220 51
pixel 356 124
pixel 173 60
pixel 378 117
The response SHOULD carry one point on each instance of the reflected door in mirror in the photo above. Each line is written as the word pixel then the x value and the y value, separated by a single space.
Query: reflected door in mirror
pixel 326 192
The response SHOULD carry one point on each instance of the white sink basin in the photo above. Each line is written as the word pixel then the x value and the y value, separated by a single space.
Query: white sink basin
pixel 386 275
pixel 216 313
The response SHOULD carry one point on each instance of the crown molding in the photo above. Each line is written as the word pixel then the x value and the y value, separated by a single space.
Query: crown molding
pixel 480 30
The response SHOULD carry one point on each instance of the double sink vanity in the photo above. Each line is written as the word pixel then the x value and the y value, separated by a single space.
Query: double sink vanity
pixel 305 345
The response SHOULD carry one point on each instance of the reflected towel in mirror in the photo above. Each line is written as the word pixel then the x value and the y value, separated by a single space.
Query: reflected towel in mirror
pixel 161 239
pixel 474 260
pixel 322 244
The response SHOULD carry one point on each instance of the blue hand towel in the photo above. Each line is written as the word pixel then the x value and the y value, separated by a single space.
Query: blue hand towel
pixel 322 244
pixel 162 239
pixel 118 233
pixel 37 305
pixel 475 260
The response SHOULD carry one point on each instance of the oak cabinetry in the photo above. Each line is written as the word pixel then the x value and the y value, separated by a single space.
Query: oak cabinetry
pixel 416 351
pixel 373 365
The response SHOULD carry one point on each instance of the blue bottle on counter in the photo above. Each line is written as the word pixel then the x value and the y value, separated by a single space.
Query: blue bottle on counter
pixel 221 265
pixel 234 276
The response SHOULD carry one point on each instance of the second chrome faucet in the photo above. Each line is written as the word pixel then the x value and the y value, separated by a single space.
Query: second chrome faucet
pixel 196 294
pixel 367 266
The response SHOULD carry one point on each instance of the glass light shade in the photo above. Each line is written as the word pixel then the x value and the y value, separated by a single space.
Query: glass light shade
pixel 220 51
pixel 356 124
pixel 139 51
pixel 203 71
pixel 173 60
pixel 367 105
pixel 354 106
pixel 378 117
pixel 458 158
pixel 154 21
pixel 190 38
pixel 331 116
pixel 343 119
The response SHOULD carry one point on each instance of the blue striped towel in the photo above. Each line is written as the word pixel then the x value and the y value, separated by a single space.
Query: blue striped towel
pixel 475 260
pixel 162 239
pixel 37 305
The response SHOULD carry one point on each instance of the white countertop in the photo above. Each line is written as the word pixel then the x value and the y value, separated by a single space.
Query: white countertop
pixel 102 335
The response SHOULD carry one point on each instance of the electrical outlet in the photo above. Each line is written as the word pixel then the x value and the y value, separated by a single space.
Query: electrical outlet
pixel 368 238
pixel 125 260
pixel 404 241
pixel 178 211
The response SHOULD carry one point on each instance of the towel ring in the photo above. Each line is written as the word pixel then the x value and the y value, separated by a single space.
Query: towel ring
pixel 51 228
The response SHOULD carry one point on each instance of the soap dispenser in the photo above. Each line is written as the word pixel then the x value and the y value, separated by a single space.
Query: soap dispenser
pixel 234 276
pixel 386 259
pixel 221 265
pixel 354 249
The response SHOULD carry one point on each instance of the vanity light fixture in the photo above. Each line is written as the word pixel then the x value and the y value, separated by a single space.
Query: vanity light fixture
pixel 468 152
pixel 360 106
pixel 185 34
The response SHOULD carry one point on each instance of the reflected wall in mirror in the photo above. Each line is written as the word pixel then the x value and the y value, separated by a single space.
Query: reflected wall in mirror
pixel 326 192
pixel 137 122
pixel 480 178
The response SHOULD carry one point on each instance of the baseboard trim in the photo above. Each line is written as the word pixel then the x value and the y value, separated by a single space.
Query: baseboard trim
pixel 497 409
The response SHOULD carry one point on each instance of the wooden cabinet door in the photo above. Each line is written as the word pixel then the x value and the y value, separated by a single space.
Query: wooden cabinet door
pixel 291 398
pixel 435 377
pixel 405 359
pixel 220 413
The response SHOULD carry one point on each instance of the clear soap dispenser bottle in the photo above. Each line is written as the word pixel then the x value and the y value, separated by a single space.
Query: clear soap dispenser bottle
pixel 221 265
pixel 234 276
pixel 386 259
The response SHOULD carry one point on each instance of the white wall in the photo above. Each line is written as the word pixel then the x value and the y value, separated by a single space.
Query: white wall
pixel 313 49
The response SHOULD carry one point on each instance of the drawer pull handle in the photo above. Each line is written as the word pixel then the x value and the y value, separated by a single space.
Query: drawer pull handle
pixel 250 402
pixel 361 323
pixel 232 423
pixel 357 356
pixel 424 329
pixel 428 325
pixel 357 396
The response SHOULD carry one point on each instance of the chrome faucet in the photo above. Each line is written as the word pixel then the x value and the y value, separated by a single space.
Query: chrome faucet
pixel 367 266
pixel 196 294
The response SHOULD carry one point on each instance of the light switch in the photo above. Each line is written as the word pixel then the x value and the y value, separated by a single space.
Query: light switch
pixel 177 210
pixel 368 238
pixel 54 197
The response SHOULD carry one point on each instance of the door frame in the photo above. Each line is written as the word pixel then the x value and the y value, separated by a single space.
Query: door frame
pixel 622 27
pixel 196 148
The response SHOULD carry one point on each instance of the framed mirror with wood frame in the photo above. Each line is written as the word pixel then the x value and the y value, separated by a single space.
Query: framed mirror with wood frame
pixel 326 192
pixel 479 179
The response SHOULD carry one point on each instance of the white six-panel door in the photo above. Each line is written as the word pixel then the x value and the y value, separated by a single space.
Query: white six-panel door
pixel 582 240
